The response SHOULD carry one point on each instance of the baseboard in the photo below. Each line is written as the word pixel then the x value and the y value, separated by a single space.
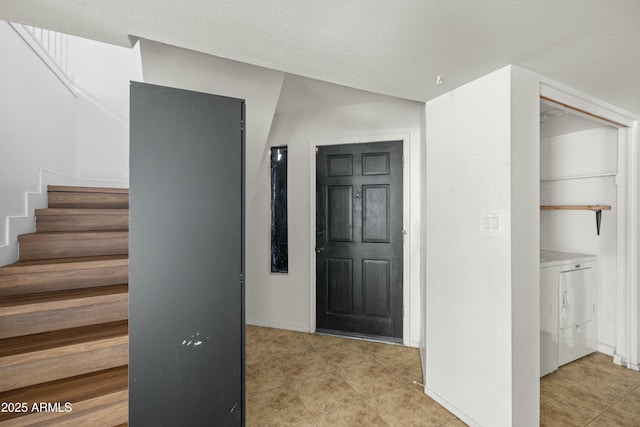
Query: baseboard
pixel 606 349
pixel 25 222
pixel 295 328
pixel 449 407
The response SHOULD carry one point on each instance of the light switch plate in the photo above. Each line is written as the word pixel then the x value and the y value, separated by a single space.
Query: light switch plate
pixel 492 222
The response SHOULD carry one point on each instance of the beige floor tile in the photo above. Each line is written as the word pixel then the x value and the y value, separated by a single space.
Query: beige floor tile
pixel 626 412
pixel 376 348
pixel 282 345
pixel 369 378
pixel 268 333
pixel 357 415
pixel 344 354
pixel 263 376
pixel 408 406
pixel 323 341
pixel 251 334
pixel 324 393
pixel 256 352
pixel 276 407
pixel 455 423
pixel 307 423
pixel 600 375
pixel 560 406
pixel 403 362
pixel 299 366
pixel 579 391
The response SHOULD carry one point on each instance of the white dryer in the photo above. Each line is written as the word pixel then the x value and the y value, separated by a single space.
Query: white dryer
pixel 568 315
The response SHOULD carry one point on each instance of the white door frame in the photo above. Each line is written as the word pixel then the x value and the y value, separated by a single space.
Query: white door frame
pixel 628 185
pixel 407 221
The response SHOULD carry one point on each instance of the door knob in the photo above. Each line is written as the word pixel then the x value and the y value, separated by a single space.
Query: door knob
pixel 320 249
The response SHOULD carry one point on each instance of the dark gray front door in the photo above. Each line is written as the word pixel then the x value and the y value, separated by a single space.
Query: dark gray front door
pixel 186 300
pixel 359 238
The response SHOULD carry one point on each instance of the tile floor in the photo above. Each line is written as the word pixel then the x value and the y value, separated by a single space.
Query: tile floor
pixel 307 380
pixel 591 391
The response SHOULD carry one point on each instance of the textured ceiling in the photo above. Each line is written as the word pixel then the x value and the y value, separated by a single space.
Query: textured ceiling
pixel 390 47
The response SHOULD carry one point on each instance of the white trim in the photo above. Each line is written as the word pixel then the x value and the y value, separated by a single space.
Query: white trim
pixel 622 249
pixel 606 349
pixel 633 230
pixel 406 223
pixel 44 57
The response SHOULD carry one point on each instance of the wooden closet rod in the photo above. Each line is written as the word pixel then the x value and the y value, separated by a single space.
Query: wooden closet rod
pixel 582 111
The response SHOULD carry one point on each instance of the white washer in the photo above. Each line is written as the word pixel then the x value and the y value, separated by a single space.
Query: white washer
pixel 568 319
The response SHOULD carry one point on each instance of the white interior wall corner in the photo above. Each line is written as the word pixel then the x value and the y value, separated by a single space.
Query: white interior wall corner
pixel 525 247
pixel 469 286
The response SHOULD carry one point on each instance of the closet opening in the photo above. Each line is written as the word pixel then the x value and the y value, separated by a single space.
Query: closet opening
pixel 578 234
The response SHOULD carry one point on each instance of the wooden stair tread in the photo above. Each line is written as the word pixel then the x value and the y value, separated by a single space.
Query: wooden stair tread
pixel 72 244
pixel 59 274
pixel 76 189
pixel 54 264
pixel 64 309
pixel 67 298
pixel 79 211
pixel 88 200
pixel 62 337
pixel 72 235
pixel 75 389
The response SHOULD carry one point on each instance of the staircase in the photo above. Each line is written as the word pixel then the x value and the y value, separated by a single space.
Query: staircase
pixel 63 314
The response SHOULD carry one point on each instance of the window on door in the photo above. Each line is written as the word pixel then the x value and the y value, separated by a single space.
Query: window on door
pixel 279 226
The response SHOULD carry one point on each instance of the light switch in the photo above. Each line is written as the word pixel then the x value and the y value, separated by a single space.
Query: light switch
pixel 491 222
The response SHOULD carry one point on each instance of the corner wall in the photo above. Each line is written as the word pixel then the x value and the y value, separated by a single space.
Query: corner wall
pixel 101 75
pixel 37 132
pixel 482 320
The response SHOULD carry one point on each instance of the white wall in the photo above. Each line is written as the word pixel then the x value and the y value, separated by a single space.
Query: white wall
pixel 585 153
pixel 101 75
pixel 482 321
pixel 283 300
pixel 37 129
pixel 56 132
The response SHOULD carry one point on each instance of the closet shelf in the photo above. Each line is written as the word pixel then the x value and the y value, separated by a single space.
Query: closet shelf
pixel 596 208
pixel 575 208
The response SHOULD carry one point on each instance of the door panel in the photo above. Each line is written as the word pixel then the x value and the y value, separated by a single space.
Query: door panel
pixel 186 300
pixel 340 285
pixel 375 214
pixel 376 287
pixel 359 238
pixel 340 165
pixel 340 217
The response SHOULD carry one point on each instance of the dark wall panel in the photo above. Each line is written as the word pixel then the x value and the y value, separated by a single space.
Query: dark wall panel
pixel 186 299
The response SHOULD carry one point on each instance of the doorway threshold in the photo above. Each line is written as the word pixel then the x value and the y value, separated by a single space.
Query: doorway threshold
pixel 361 337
